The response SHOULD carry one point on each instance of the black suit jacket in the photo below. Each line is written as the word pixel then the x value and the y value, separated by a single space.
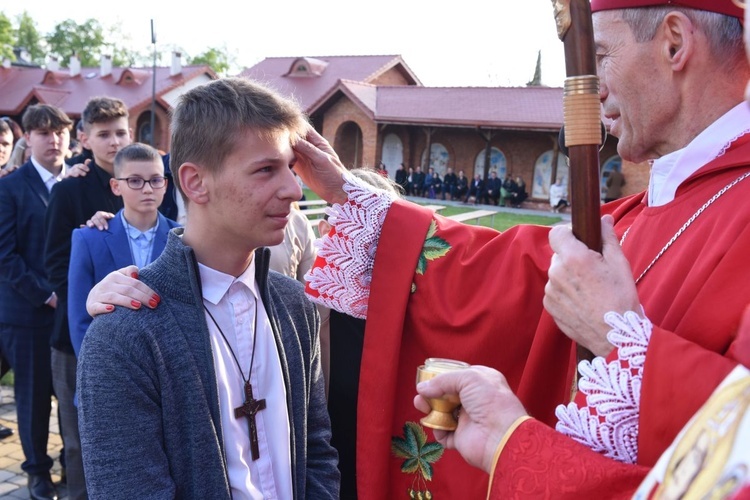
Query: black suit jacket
pixel 72 202
pixel 23 284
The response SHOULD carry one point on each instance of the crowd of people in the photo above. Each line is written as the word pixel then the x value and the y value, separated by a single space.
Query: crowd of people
pixel 222 363
pixel 495 191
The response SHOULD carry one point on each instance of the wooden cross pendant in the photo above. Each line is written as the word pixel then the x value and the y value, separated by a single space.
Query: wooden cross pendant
pixel 248 410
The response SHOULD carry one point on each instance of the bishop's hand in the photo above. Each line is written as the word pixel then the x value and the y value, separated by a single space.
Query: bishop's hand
pixel 584 285
pixel 488 409
pixel 319 167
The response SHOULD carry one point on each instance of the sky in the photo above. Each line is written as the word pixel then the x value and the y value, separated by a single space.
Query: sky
pixel 460 43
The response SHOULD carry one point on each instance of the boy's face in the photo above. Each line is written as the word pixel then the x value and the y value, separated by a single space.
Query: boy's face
pixel 48 147
pixel 250 196
pixel 6 146
pixel 105 139
pixel 147 199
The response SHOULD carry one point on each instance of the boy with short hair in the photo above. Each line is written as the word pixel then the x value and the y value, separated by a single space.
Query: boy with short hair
pixel 223 378
pixel 72 202
pixel 136 235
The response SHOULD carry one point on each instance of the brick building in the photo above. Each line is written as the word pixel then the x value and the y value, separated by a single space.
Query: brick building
pixel 70 89
pixel 374 109
pixel 371 108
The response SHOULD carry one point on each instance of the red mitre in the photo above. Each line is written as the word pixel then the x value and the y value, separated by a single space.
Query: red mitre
pixel 726 7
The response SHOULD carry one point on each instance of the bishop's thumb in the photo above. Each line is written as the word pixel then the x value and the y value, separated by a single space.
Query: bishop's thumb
pixel 610 241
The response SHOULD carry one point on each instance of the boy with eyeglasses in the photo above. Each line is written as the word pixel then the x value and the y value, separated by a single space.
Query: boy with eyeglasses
pixel 105 131
pixel 136 235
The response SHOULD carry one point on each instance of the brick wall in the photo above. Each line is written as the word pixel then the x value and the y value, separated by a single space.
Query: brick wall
pixel 521 148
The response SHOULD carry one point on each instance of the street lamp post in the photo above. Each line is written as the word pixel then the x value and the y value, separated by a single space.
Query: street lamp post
pixel 153 88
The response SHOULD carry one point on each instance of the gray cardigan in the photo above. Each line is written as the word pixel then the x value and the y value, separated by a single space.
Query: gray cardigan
pixel 148 401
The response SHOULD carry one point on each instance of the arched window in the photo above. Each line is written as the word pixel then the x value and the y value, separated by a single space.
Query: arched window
pixel 612 163
pixel 438 158
pixel 144 133
pixel 348 144
pixel 393 153
pixel 498 162
pixel 543 173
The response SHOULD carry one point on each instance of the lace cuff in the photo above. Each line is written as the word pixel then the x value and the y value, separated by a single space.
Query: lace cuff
pixel 608 423
pixel 342 280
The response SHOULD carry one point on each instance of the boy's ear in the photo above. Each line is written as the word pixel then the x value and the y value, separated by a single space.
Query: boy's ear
pixel 114 185
pixel 193 182
pixel 84 140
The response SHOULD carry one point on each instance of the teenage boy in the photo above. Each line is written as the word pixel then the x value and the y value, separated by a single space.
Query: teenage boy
pixel 27 300
pixel 136 235
pixel 223 378
pixel 105 132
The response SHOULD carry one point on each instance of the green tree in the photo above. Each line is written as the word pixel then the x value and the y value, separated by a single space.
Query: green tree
pixel 536 80
pixel 69 38
pixel 28 37
pixel 217 59
pixel 119 46
pixel 7 40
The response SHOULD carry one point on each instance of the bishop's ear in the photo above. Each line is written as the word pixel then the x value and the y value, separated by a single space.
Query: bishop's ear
pixel 678 38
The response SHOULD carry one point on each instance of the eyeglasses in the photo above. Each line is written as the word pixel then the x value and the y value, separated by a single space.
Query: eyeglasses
pixel 138 182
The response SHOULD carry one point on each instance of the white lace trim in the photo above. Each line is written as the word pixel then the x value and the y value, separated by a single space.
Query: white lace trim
pixel 343 283
pixel 608 423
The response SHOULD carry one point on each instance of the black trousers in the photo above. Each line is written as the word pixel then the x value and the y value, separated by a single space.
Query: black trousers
pixel 28 353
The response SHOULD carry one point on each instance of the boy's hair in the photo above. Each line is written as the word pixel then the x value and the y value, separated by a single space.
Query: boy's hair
pixel 208 121
pixel 102 110
pixel 375 179
pixel 135 152
pixel 45 117
pixel 8 124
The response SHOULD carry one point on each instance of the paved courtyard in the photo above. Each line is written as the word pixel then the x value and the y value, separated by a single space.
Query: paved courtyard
pixel 12 478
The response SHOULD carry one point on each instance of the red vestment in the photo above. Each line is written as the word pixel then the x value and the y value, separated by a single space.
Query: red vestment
pixel 482 303
pixel 537 461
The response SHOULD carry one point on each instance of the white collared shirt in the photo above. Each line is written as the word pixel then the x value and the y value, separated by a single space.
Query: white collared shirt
pixel 669 171
pixel 141 242
pixel 232 303
pixel 48 179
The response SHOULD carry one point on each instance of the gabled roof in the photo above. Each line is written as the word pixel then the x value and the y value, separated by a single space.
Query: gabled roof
pixel 507 107
pixel 522 108
pixel 323 74
pixel 19 85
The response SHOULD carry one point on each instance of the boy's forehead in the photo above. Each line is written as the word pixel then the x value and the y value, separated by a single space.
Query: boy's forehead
pixel 143 164
pixel 120 123
pixel 48 130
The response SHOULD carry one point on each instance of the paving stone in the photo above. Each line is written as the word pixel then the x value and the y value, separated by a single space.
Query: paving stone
pixel 12 478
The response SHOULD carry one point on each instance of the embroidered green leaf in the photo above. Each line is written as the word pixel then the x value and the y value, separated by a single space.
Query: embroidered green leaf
pixel 419 455
pixel 434 248
pixel 431 452
pixel 411 466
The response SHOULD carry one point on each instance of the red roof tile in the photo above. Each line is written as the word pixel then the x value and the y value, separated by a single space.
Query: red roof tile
pixel 507 107
pixel 133 85
pixel 309 90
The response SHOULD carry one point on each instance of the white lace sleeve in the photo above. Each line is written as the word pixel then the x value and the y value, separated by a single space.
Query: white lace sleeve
pixel 608 423
pixel 343 281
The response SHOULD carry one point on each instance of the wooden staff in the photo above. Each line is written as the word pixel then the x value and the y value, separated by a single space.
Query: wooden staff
pixel 582 111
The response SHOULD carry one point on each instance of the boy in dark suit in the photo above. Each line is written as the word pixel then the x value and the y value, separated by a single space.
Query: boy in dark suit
pixel 136 235
pixel 27 300
pixel 72 202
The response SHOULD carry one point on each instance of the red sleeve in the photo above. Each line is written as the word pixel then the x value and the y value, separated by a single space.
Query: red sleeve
pixel 673 365
pixel 538 462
